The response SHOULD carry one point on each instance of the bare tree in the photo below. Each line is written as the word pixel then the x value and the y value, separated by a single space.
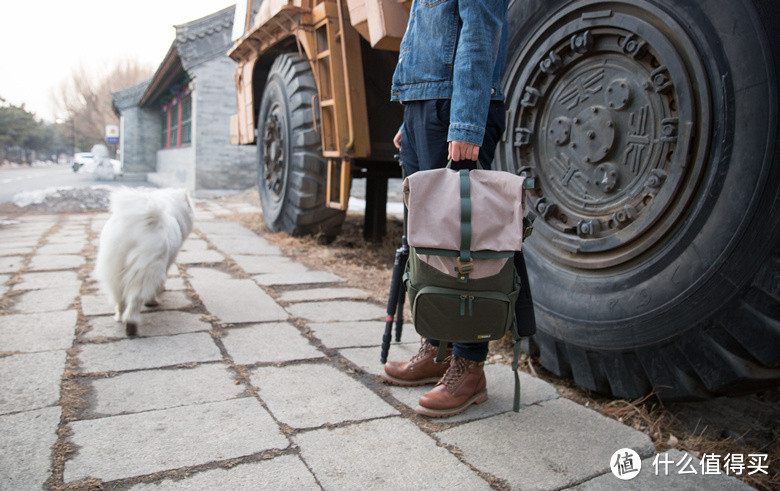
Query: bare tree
pixel 85 98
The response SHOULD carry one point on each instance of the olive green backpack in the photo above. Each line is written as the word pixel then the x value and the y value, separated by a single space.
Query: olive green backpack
pixel 463 229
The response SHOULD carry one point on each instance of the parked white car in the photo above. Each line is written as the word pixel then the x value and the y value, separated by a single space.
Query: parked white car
pixel 81 159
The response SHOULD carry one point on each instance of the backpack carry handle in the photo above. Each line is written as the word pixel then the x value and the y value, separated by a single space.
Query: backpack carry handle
pixel 479 166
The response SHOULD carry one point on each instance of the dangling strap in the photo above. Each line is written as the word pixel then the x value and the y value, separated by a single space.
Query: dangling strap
pixel 441 354
pixel 516 349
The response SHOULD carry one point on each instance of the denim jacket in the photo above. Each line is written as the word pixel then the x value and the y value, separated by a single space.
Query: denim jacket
pixel 454 49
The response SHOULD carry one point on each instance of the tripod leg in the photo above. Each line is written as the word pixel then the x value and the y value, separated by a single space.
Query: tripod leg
pixel 396 286
pixel 399 320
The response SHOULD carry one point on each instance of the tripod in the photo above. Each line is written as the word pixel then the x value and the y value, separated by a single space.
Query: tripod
pixel 395 301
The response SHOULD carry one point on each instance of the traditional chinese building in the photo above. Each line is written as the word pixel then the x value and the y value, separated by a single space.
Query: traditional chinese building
pixel 175 127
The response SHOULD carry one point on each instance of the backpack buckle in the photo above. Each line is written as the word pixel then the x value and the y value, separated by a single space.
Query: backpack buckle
pixel 464 268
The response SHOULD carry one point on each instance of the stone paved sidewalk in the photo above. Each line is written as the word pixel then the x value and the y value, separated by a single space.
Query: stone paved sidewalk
pixel 253 373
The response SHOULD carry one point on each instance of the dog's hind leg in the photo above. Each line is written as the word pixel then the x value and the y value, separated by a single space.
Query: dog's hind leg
pixel 120 307
pixel 154 301
pixel 131 317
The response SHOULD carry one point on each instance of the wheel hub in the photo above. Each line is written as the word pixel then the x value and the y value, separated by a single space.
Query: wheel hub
pixel 273 154
pixel 604 118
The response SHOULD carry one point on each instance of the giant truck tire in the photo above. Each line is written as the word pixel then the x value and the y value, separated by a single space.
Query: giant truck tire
pixel 291 173
pixel 651 127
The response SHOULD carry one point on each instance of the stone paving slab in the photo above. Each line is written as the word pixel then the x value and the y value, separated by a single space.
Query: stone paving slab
pixel 48 300
pixel 175 283
pixel 118 447
pixel 268 343
pixel 192 244
pixel 285 472
pixel 26 441
pixel 648 479
pixel 383 454
pixel 38 332
pixel 30 381
pixel 97 224
pixel 201 256
pixel 323 294
pixel 98 304
pixel 70 247
pixel 244 245
pixel 285 268
pixel 547 446
pixel 79 238
pixel 154 352
pixel 359 333
pixel 367 359
pixel 10 244
pixel 303 278
pixel 162 389
pixel 161 323
pixel 10 264
pixel 235 301
pixel 501 391
pixel 307 396
pixel 224 228
pixel 50 262
pixel 3 287
pixel 253 264
pixel 16 248
pixel 337 310
pixel 40 281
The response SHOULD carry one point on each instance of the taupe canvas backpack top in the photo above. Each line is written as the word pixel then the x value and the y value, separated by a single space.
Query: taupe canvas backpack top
pixel 464 228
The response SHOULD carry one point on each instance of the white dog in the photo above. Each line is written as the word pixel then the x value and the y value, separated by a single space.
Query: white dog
pixel 138 244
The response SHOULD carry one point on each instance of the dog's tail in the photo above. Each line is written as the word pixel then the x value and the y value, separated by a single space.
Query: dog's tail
pixel 129 203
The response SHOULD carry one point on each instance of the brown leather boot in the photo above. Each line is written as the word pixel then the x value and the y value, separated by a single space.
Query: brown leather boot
pixel 420 370
pixel 464 384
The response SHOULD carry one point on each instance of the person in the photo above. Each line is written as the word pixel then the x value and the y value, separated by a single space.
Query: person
pixel 448 77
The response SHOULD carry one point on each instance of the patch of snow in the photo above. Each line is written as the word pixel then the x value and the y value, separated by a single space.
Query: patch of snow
pixel 36 196
pixel 66 198
pixel 359 205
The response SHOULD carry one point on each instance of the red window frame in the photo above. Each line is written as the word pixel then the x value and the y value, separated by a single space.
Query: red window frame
pixel 175 103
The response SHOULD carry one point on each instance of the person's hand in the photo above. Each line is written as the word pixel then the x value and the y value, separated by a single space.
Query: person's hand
pixel 463 151
pixel 397 140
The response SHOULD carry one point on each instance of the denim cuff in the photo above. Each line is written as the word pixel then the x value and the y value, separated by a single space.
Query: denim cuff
pixel 466 133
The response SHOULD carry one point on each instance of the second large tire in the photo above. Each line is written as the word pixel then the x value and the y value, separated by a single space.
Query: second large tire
pixel 652 128
pixel 291 170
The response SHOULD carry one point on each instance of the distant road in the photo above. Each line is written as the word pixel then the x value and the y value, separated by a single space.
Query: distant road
pixel 14 181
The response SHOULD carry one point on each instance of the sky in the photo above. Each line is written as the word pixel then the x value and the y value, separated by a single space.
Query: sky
pixel 42 40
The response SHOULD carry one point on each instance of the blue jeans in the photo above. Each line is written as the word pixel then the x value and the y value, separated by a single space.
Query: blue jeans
pixel 424 147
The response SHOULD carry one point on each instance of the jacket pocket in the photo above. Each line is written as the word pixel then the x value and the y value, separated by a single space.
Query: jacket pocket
pixel 432 3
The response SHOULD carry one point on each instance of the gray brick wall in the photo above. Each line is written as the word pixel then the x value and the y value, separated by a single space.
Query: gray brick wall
pixel 175 168
pixel 141 135
pixel 220 165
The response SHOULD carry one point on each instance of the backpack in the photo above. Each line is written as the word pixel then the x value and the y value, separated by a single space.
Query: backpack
pixel 463 229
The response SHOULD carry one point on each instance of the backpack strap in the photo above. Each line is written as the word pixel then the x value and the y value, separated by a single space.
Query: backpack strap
pixel 465 263
pixel 516 402
pixel 515 359
pixel 441 354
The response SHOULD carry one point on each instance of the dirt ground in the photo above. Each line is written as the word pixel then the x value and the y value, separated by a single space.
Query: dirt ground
pixel 748 424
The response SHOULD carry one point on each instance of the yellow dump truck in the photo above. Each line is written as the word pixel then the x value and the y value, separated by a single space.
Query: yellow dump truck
pixel 651 127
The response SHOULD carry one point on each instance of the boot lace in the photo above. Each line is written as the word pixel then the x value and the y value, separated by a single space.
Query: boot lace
pixel 426 349
pixel 455 373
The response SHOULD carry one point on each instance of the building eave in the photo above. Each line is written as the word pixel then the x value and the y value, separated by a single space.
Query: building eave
pixel 167 73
